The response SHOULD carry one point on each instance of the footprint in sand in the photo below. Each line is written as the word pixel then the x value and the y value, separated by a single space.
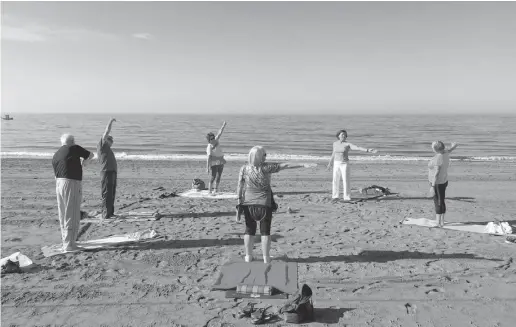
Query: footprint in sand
pixel 435 290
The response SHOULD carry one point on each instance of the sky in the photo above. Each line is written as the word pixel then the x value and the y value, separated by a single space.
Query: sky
pixel 258 57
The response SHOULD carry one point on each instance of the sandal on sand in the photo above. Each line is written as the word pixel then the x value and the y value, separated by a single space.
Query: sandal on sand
pixel 247 310
pixel 260 316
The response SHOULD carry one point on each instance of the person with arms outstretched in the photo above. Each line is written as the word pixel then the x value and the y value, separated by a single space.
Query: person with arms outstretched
pixel 108 171
pixel 340 160
pixel 68 173
pixel 438 178
pixel 255 198
pixel 215 159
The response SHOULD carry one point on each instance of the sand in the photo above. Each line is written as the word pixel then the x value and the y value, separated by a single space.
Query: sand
pixel 364 267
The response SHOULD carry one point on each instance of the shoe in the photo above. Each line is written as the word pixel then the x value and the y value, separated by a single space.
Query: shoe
pixel 300 309
pixel 247 310
pixel 266 259
pixel 260 316
pixel 248 258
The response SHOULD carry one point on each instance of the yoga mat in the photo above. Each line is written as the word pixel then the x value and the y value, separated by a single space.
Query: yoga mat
pixel 52 250
pixel 465 227
pixel 206 194
pixel 279 274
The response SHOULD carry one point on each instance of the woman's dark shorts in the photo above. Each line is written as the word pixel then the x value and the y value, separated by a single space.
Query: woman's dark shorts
pixel 257 213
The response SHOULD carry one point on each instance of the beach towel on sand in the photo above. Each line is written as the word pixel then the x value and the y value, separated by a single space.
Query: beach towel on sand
pixel 51 250
pixel 466 227
pixel 207 195
pixel 279 274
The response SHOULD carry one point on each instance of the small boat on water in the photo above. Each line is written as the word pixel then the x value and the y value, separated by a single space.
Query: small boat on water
pixel 6 117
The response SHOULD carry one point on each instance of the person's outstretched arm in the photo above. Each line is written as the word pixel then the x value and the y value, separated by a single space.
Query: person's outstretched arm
pixel 293 166
pixel 108 128
pixel 219 134
pixel 452 147
pixel 86 161
pixel 357 148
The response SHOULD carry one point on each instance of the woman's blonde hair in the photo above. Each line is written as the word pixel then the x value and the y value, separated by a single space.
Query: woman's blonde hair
pixel 257 156
pixel 438 146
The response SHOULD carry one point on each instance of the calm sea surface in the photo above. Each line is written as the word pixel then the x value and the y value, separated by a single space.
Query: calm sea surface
pixel 182 137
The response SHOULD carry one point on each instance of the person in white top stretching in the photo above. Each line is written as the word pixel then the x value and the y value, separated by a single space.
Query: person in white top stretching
pixel 339 158
pixel 438 178
pixel 215 160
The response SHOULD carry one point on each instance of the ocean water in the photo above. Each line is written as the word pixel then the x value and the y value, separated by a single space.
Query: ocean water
pixel 182 137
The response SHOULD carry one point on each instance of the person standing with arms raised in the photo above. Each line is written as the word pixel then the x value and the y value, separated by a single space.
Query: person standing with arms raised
pixel 438 178
pixel 340 160
pixel 108 171
pixel 68 172
pixel 215 158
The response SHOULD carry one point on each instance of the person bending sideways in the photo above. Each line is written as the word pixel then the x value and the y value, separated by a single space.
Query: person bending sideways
pixel 340 160
pixel 68 172
pixel 108 171
pixel 438 178
pixel 255 198
pixel 215 160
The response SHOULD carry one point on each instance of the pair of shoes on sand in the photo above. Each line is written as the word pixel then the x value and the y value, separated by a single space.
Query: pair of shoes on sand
pixel 249 258
pixel 258 316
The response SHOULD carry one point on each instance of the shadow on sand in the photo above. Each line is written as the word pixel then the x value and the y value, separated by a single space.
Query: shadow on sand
pixel 197 214
pixel 179 244
pixel 386 256
pixel 329 315
pixel 300 192
pixel 397 198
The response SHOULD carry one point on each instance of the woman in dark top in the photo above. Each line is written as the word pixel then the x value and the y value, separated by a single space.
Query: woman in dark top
pixel 255 198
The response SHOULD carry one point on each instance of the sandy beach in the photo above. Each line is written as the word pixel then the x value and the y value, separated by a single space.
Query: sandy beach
pixel 365 268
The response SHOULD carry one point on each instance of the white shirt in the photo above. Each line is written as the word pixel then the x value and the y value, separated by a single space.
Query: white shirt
pixel 214 151
pixel 441 160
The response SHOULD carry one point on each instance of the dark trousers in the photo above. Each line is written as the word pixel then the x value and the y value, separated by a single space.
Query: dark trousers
pixel 108 193
pixel 439 195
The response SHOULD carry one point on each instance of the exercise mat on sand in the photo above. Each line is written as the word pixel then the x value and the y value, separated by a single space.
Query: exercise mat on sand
pixel 281 275
pixel 208 195
pixel 115 240
pixel 465 227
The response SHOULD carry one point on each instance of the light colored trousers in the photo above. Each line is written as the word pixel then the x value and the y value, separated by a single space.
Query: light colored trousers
pixel 69 198
pixel 341 169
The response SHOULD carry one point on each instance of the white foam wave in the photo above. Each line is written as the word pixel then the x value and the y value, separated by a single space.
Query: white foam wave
pixel 243 157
